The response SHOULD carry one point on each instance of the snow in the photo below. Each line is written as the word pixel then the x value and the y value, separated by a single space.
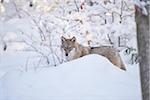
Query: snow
pixel 25 73
pixel 142 6
pixel 91 77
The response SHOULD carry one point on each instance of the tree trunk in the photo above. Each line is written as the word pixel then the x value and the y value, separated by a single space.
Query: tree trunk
pixel 143 40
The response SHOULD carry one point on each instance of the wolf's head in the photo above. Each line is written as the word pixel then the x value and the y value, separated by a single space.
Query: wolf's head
pixel 68 44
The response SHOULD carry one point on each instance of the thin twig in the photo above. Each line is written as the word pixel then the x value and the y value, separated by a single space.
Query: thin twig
pixel 76 5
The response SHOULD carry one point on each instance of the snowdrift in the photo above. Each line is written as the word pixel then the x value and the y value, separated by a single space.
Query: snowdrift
pixel 91 77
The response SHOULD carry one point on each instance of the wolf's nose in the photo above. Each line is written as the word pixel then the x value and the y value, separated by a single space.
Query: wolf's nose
pixel 66 54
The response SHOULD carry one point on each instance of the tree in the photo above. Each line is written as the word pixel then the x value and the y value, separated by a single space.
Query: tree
pixel 143 39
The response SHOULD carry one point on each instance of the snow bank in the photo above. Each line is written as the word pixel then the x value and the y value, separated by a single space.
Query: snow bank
pixel 91 77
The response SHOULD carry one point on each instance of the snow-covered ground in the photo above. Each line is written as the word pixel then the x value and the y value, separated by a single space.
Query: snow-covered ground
pixel 32 36
pixel 91 77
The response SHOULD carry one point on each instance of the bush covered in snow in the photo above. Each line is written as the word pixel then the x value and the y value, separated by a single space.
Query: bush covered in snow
pixel 36 26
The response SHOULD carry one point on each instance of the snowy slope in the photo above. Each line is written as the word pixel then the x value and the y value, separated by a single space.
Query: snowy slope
pixel 91 77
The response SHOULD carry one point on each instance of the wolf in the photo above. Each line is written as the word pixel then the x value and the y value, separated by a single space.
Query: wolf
pixel 70 45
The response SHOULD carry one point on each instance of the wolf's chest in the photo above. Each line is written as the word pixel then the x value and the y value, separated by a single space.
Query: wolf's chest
pixel 71 54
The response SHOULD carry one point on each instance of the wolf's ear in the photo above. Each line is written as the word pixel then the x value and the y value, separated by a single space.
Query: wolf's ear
pixel 73 39
pixel 63 39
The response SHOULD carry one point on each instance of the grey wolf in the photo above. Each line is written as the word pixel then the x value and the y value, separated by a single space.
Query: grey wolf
pixel 69 45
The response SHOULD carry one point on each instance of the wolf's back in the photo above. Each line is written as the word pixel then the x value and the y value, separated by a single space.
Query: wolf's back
pixel 104 50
